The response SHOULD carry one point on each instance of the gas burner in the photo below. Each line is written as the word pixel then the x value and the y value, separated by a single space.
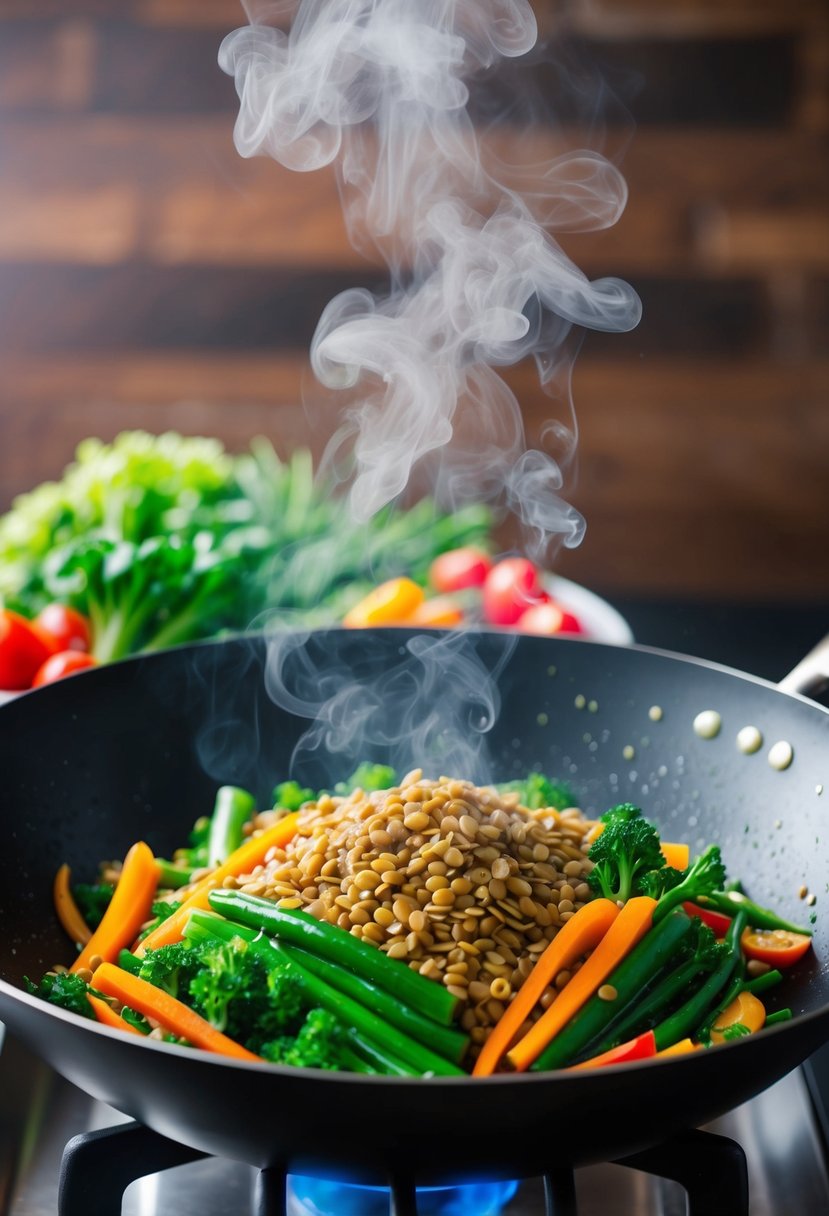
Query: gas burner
pixel 98 1166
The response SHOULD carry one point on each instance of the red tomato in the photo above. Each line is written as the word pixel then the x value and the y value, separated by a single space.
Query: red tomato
pixel 570 624
pixel 714 920
pixel 777 947
pixel 511 587
pixel 22 651
pixel 459 568
pixel 62 628
pixel 64 663
pixel 542 619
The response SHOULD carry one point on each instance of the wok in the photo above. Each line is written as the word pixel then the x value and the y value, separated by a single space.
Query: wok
pixel 93 763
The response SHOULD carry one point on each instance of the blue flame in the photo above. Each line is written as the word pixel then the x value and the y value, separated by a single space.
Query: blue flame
pixel 320 1197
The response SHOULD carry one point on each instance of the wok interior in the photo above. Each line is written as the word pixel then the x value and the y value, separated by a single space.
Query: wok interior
pixel 92 764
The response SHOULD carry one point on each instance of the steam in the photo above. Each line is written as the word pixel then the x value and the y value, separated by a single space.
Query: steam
pixel 378 88
pixel 431 701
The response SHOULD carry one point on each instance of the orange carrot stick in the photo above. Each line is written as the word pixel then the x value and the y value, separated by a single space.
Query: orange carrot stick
pixel 129 908
pixel 629 927
pixel 171 1014
pixel 581 933
pixel 68 912
pixel 107 1016
pixel 251 853
pixel 389 604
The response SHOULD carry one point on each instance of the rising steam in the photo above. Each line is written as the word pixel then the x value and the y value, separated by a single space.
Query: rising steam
pixel 378 88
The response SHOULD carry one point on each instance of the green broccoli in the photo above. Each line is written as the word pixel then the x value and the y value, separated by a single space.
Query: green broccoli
pixel 92 900
pixel 64 989
pixel 705 875
pixel 656 882
pixel 367 777
pixel 170 967
pixel 537 792
pixel 161 909
pixel 290 795
pixel 320 1043
pixel 627 850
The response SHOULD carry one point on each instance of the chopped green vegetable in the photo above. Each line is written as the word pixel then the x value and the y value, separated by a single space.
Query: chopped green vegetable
pixel 92 900
pixel 627 850
pixel 705 874
pixel 232 809
pixel 536 792
pixel 290 795
pixel 367 777
pixel 782 1015
pixel 694 1016
pixel 170 968
pixel 735 1031
pixel 161 909
pixel 729 902
pixel 64 989
pixel 320 1042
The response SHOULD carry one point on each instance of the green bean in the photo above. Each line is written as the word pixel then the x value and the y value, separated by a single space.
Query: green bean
pixel 172 875
pixel 782 1015
pixel 232 809
pixel 332 943
pixel 732 902
pixel 696 1015
pixel 381 1061
pixel 630 978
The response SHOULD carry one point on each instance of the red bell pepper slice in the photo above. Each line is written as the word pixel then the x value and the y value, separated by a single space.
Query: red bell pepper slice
pixel 643 1047
pixel 714 920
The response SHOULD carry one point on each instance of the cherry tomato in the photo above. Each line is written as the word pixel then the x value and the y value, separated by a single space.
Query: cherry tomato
pixel 714 920
pixel 777 947
pixel 64 663
pixel 62 628
pixel 22 651
pixel 542 619
pixel 511 587
pixel 459 568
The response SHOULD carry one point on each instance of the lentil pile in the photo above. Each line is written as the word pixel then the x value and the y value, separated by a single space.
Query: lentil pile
pixel 459 881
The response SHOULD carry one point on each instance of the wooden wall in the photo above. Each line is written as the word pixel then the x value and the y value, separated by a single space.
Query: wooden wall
pixel 149 276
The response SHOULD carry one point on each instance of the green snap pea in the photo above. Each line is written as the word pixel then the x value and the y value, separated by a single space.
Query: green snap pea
pixel 232 809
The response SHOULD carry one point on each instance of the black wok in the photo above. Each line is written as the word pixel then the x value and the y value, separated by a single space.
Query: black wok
pixel 91 764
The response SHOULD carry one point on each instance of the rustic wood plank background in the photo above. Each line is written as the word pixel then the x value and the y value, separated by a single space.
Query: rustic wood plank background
pixel 150 277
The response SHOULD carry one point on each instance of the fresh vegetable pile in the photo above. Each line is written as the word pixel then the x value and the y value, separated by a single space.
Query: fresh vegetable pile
pixel 157 540
pixel 664 956
pixel 469 589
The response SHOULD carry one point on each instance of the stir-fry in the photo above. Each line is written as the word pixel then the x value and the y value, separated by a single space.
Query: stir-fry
pixel 423 927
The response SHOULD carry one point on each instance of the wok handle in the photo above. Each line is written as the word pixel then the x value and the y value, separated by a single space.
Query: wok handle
pixel 811 676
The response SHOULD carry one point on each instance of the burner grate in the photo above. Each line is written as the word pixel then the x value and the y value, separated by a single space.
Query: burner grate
pixel 97 1168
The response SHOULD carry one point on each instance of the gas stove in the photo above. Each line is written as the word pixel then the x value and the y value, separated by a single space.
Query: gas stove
pixel 61 1151
pixel 772 1143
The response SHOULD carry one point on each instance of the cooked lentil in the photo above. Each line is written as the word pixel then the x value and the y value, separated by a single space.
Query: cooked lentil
pixel 460 882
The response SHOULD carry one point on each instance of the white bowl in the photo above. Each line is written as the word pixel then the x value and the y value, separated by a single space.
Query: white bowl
pixel 599 620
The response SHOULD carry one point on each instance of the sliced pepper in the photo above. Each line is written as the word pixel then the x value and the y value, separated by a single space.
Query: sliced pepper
pixel 643 1047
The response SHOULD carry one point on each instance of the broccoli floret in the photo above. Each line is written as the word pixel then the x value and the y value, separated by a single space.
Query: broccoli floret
pixel 170 967
pixel 705 875
pixel 656 882
pixel 537 792
pixel 64 989
pixel 235 992
pixel 290 795
pixel 320 1043
pixel 161 909
pixel 92 900
pixel 627 850
pixel 367 777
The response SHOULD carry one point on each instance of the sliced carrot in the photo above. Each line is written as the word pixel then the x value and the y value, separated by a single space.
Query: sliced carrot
pixel 581 933
pixel 628 928
pixel 171 1014
pixel 389 604
pixel 251 853
pixel 746 1010
pixel 679 1049
pixel 643 1047
pixel 107 1016
pixel 68 912
pixel 676 855
pixel 438 613
pixel 129 908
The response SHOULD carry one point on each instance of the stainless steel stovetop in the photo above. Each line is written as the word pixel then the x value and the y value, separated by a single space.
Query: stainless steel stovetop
pixel 39 1112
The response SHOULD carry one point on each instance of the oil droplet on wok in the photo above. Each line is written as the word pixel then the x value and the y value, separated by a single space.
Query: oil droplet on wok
pixel 655 713
pixel 542 719
pixel 592 707
pixel 628 752
pixel 580 701
pixel 781 755
pixel 707 724
pixel 551 670
pixel 749 740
